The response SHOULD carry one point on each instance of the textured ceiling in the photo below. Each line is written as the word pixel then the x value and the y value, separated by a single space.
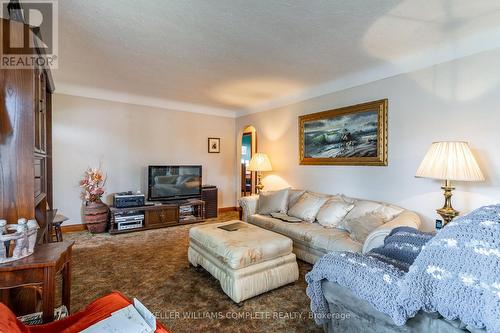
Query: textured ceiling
pixel 239 55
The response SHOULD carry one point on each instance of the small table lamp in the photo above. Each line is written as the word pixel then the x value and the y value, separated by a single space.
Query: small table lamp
pixel 449 161
pixel 259 162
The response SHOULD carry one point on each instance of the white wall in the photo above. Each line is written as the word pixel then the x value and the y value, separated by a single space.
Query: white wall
pixel 459 100
pixel 126 139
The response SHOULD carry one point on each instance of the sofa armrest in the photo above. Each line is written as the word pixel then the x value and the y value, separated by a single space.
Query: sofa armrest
pixel 248 206
pixel 376 238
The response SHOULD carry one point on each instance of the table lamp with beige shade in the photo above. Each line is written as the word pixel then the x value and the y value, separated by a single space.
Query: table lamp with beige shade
pixel 259 163
pixel 449 161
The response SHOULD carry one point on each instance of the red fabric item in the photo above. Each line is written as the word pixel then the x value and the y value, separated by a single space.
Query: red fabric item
pixel 9 322
pixel 96 311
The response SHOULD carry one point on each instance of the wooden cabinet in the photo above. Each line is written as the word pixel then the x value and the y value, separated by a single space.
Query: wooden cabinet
pixel 165 215
pixel 25 140
pixel 40 270
pixel 25 152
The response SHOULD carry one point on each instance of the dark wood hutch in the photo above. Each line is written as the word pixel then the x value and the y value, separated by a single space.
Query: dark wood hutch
pixel 25 149
pixel 26 139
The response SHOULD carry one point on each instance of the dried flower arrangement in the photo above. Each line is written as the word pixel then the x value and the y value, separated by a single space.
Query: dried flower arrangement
pixel 92 185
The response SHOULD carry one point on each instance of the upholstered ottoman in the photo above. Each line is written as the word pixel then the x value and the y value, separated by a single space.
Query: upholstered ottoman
pixel 247 261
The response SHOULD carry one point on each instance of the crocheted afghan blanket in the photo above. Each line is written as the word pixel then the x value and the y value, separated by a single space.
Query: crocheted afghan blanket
pixel 456 273
pixel 374 276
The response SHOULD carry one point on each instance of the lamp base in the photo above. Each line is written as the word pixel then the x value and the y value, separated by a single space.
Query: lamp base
pixel 259 185
pixel 447 212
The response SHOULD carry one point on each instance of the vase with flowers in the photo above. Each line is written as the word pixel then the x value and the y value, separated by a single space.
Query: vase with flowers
pixel 95 212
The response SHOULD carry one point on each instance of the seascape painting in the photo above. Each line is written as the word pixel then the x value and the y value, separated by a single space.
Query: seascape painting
pixel 345 136
pixel 354 135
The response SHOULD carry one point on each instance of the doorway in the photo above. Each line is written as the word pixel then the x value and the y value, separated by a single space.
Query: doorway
pixel 248 148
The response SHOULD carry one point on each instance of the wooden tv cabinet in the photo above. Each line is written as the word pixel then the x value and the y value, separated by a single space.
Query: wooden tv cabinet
pixel 162 215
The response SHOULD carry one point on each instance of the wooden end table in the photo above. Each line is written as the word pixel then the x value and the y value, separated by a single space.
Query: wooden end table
pixel 40 269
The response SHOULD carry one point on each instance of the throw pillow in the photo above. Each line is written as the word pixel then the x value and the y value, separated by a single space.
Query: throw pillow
pixel 307 207
pixel 365 207
pixel 294 196
pixel 361 227
pixel 272 202
pixel 333 212
pixel 389 212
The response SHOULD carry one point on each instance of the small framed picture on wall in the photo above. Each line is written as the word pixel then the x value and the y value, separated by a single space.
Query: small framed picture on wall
pixel 214 145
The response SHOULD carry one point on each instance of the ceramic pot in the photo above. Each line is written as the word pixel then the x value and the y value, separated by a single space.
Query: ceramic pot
pixel 95 215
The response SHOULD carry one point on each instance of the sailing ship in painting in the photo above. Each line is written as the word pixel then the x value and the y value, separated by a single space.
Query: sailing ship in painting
pixel 350 135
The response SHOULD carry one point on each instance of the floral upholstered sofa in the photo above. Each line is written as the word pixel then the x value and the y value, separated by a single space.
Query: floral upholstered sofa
pixel 365 224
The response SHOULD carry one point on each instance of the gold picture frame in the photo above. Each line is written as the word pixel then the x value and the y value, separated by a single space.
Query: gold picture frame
pixel 352 135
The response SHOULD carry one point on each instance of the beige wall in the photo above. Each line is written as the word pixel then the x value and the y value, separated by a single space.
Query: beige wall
pixel 458 100
pixel 126 139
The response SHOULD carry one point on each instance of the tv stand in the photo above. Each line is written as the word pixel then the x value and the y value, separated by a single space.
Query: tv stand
pixel 161 215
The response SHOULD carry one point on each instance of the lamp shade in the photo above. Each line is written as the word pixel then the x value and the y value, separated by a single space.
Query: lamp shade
pixel 260 162
pixel 450 160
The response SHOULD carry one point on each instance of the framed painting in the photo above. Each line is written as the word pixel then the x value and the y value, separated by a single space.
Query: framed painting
pixel 214 145
pixel 353 135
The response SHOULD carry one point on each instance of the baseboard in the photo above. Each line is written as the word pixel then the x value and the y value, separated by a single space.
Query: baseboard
pixel 73 228
pixel 227 209
pixel 82 227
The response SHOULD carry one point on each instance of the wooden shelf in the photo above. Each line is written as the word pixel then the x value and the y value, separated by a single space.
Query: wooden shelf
pixel 115 231
pixel 39 198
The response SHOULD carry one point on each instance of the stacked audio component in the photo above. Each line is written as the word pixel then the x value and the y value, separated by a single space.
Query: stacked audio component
pixel 128 199
pixel 129 220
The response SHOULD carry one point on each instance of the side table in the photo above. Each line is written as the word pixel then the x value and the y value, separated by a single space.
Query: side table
pixel 56 226
pixel 40 269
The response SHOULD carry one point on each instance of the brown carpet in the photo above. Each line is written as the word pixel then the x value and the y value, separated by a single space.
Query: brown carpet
pixel 153 267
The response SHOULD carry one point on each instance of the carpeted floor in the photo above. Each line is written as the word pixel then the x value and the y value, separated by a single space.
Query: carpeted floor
pixel 153 267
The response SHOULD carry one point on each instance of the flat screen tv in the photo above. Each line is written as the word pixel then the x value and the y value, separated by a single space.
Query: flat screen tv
pixel 174 182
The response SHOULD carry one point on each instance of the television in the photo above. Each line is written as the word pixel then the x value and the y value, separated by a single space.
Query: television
pixel 174 182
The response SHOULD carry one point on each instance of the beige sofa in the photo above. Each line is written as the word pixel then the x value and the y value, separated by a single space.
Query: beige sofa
pixel 311 240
